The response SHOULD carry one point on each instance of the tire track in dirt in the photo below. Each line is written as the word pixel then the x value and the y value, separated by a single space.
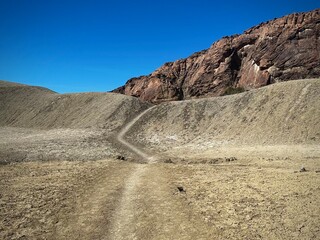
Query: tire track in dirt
pixel 122 227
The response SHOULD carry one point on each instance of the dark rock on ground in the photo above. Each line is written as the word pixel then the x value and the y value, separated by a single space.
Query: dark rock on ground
pixel 119 157
pixel 181 189
pixel 303 169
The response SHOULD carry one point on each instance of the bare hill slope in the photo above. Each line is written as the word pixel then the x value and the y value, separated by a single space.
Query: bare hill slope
pixel 35 107
pixel 283 113
pixel 38 124
pixel 211 197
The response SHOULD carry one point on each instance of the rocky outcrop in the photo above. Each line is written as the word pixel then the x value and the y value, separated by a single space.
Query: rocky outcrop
pixel 283 49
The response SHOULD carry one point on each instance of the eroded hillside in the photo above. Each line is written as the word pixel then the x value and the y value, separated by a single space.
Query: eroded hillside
pixel 36 107
pixel 38 124
pixel 243 166
pixel 280 114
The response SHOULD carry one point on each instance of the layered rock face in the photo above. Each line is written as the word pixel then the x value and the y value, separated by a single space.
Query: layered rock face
pixel 283 49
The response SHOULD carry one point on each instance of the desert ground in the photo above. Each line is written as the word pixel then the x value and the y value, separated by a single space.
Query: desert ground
pixel 107 166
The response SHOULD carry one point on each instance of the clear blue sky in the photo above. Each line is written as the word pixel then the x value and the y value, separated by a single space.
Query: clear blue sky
pixel 96 45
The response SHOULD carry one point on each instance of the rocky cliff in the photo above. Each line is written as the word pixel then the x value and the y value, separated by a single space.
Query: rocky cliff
pixel 283 49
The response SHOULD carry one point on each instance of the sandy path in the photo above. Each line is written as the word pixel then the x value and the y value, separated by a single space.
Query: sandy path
pixel 133 148
pixel 60 199
pixel 146 209
pixel 152 208
pixel 122 227
pixel 97 199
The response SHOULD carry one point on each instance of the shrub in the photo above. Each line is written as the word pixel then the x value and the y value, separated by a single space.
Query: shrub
pixel 233 90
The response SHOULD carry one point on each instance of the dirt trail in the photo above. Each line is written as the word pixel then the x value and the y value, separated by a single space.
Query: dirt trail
pixel 124 216
pixel 122 226
pixel 125 129
pixel 152 208
pixel 90 218
pixel 237 160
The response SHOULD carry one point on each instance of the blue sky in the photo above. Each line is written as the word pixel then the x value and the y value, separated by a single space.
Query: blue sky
pixel 96 45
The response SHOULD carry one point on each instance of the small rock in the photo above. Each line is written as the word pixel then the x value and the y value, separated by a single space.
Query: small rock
pixel 168 161
pixel 181 189
pixel 302 169
pixel 119 157
pixel 213 161
pixel 231 159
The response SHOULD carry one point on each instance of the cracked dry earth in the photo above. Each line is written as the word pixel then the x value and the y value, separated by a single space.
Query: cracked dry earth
pixel 94 200
pixel 111 199
pixel 256 192
pixel 246 198
pixel 233 198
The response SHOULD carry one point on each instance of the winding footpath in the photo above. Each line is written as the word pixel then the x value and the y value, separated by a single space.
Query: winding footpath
pixel 122 227
pixel 125 129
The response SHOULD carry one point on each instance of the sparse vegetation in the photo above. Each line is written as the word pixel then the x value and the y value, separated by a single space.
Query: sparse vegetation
pixel 233 90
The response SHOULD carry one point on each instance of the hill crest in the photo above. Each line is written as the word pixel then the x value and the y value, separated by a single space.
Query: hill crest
pixel 282 49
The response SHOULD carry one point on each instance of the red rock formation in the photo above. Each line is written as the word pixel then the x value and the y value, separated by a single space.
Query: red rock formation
pixel 283 49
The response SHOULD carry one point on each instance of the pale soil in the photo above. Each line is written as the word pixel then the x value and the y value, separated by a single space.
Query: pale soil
pixel 38 124
pixel 236 160
pixel 34 107
pixel 279 114
pixel 59 200
pixel 142 156
pixel 27 144
pixel 111 199
pixel 80 200
pixel 296 155
pixel 250 202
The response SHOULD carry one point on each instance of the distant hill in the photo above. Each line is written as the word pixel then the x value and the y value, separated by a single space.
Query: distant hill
pixel 37 107
pixel 39 124
pixel 283 49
